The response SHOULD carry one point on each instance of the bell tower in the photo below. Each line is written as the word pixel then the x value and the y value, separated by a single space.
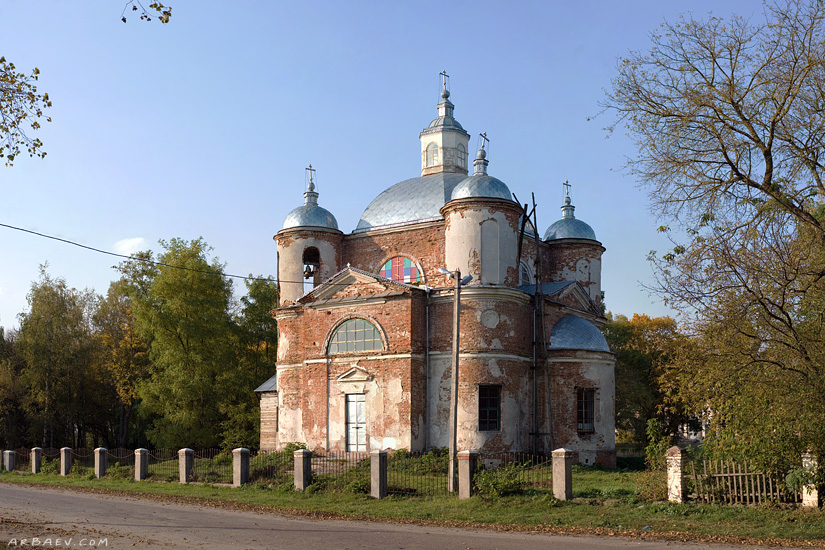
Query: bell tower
pixel 444 142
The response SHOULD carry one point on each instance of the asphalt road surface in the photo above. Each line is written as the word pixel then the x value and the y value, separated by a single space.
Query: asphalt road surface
pixel 58 518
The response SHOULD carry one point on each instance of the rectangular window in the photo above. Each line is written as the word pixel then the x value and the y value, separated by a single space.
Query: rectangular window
pixel 489 408
pixel 586 410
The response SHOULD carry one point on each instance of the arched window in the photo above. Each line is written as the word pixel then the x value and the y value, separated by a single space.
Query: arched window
pixel 354 335
pixel 401 270
pixel 525 277
pixel 432 154
pixel 462 156
pixel 312 268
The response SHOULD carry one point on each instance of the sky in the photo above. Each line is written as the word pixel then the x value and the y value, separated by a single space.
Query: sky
pixel 203 127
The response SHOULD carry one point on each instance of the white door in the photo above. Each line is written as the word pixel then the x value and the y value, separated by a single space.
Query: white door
pixel 356 422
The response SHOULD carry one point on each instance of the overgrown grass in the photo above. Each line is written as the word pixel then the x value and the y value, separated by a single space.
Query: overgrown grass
pixel 605 501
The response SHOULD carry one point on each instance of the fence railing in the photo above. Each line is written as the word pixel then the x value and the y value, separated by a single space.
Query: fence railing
pixel 735 483
pixel 418 473
pixel 531 470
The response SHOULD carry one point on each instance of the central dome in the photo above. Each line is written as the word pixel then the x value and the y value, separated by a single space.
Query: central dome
pixel 413 200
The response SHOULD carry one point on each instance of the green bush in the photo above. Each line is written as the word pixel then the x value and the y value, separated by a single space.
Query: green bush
pixel 491 484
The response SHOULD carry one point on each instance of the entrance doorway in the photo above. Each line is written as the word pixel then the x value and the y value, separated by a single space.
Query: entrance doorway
pixel 356 423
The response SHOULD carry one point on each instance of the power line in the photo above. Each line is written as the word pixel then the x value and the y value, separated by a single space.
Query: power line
pixel 132 258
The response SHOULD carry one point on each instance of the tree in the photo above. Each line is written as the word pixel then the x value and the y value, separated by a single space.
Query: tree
pixel 256 344
pixel 729 119
pixel 21 110
pixel 181 311
pixel 643 346
pixel 125 355
pixel 12 392
pixel 63 381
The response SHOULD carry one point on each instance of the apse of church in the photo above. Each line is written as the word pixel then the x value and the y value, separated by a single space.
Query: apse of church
pixel 365 318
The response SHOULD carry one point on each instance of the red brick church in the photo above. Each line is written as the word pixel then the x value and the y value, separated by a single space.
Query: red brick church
pixel 365 319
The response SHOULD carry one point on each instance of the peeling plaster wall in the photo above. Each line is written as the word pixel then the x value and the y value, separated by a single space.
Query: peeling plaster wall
pixel 575 260
pixel 570 370
pixel 291 245
pixel 463 239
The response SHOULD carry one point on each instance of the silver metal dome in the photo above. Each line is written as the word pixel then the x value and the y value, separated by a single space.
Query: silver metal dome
pixel 572 332
pixel 409 201
pixel 310 215
pixel 481 186
pixel 568 227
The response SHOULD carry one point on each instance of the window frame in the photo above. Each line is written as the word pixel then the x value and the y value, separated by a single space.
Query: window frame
pixel 398 270
pixel 431 154
pixel 355 345
pixel 485 422
pixel 585 410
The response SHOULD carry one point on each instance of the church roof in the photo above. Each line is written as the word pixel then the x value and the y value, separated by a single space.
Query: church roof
pixel 269 385
pixel 481 186
pixel 310 215
pixel 572 332
pixel 568 227
pixel 413 200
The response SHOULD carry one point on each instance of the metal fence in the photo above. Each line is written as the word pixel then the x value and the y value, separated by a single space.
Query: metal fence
pixel 734 483
pixel 22 459
pixel 120 463
pixel 418 473
pixel 341 471
pixel 275 468
pixel 163 465
pixel 529 470
pixel 212 466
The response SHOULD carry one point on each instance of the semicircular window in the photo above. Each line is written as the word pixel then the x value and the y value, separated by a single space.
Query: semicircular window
pixel 401 270
pixel 355 335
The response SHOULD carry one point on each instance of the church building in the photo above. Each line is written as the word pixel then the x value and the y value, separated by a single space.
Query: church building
pixel 365 320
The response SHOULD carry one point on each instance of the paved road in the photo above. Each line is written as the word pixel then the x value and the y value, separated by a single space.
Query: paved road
pixel 108 521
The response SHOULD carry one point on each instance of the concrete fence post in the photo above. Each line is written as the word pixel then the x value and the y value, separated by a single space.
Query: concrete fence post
pixel 810 493
pixel 378 474
pixel 36 459
pixel 141 464
pixel 101 461
pixel 676 485
pixel 240 466
pixel 467 462
pixel 65 461
pixel 563 474
pixel 8 460
pixel 186 464
pixel 303 469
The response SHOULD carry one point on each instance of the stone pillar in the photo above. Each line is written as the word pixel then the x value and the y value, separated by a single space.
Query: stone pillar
pixel 467 461
pixel 240 466
pixel 8 460
pixel 36 459
pixel 65 461
pixel 101 461
pixel 186 464
pixel 141 464
pixel 676 486
pixel 378 474
pixel 810 493
pixel 303 469
pixel 563 474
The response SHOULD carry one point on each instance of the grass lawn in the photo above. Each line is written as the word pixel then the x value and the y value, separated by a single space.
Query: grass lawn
pixel 611 503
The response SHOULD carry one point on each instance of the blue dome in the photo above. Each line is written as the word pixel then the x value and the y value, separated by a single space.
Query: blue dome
pixel 569 228
pixel 572 332
pixel 481 185
pixel 310 215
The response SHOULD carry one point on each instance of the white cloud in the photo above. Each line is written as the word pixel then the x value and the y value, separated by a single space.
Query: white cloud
pixel 130 246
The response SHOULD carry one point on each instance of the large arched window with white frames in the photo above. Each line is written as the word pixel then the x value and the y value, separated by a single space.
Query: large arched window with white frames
pixel 355 335
pixel 432 154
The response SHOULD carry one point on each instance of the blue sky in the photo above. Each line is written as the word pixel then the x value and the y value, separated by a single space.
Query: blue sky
pixel 203 127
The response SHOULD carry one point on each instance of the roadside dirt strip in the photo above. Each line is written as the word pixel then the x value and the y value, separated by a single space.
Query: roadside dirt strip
pixel 32 517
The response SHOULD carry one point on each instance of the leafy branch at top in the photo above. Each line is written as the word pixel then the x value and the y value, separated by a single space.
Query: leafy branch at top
pixel 20 106
pixel 163 13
